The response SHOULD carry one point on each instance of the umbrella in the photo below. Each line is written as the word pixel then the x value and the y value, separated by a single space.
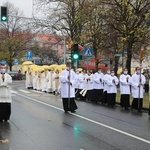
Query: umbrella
pixel 38 69
pixel 53 66
pixel 33 66
pixel 62 66
pixel 46 67
pixel 27 63
pixel 119 71
pixel 79 69
pixel 24 68
pixel 58 68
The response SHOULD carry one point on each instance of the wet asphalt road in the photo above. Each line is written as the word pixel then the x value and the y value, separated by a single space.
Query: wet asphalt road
pixel 38 123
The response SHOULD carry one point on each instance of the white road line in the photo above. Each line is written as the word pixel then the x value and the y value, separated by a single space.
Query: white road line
pixel 90 120
pixel 24 91
pixel 37 91
pixel 13 92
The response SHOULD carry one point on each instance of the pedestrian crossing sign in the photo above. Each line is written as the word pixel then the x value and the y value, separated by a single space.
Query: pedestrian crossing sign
pixel 88 52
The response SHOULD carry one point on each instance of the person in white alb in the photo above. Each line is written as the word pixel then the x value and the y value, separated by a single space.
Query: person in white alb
pixel 39 83
pixel 138 80
pixel 43 80
pixel 34 78
pixel 29 80
pixel 89 86
pixel 50 80
pixel 112 82
pixel 5 94
pixel 105 77
pixel 82 75
pixel 56 77
pixel 77 85
pixel 98 86
pixel 67 81
pixel 125 83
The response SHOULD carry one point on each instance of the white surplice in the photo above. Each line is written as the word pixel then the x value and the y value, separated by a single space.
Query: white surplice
pixel 5 89
pixel 125 84
pixel 65 93
pixel 137 92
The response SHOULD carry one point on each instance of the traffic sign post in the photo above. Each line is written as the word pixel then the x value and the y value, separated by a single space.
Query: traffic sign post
pixel 16 61
pixel 3 62
pixel 29 55
pixel 88 52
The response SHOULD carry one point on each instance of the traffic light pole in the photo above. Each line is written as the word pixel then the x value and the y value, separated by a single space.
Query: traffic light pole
pixel 76 65
pixel 64 50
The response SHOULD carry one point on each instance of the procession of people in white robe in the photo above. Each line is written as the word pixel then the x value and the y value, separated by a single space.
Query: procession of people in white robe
pixel 95 87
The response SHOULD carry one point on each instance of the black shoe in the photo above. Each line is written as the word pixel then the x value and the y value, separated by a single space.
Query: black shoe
pixel 73 111
pixel 6 120
pixel 66 111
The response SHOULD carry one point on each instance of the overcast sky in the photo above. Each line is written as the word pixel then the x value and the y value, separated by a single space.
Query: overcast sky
pixel 24 5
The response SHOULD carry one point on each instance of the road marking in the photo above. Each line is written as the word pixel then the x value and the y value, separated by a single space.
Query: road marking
pixel 90 120
pixel 37 91
pixel 24 91
pixel 13 92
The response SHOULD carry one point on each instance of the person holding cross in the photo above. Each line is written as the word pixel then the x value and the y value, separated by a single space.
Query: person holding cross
pixel 67 81
pixel 137 86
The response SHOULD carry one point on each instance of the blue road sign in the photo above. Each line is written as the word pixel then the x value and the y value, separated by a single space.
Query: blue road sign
pixel 3 62
pixel 29 54
pixel 15 61
pixel 88 52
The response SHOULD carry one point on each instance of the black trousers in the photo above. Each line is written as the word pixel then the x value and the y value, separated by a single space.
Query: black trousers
pixel 137 103
pixel 89 95
pixel 104 100
pixel 111 99
pixel 5 111
pixel 77 94
pixel 97 95
pixel 146 87
pixel 125 100
pixel 69 104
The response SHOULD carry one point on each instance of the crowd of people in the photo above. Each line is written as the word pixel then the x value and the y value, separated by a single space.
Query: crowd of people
pixel 95 87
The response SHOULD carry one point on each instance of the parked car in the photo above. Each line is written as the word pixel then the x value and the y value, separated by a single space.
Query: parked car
pixel 16 75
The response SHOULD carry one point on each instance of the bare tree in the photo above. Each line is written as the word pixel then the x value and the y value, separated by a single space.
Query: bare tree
pixel 15 34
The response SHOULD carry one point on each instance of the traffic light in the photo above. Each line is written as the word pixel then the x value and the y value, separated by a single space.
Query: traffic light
pixel 75 55
pixel 3 14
